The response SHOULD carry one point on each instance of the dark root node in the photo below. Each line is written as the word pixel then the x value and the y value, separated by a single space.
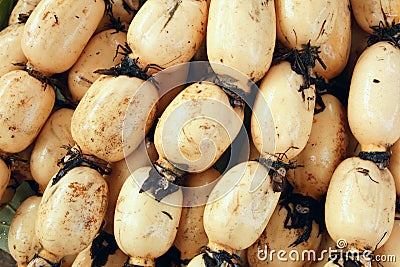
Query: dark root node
pixel 103 245
pixel 128 66
pixel 109 4
pixel 301 212
pixel 161 182
pixel 9 160
pixel 278 169
pixel 235 94
pixel 380 158
pixel 75 158
pixel 385 31
pixel 219 258
pixel 57 85
pixel 303 61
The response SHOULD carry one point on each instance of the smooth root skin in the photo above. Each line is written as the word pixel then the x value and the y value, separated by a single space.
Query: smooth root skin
pixel 99 53
pixel 241 35
pixel 114 116
pixel 321 155
pixel 360 204
pixel 72 211
pixel 167 33
pixel 191 236
pixel 10 48
pixel 143 156
pixel 374 97
pixel 197 127
pixel 48 149
pixel 369 13
pixel 65 25
pixel 143 227
pixel 240 206
pixel 277 238
pixel 25 105
pixel 22 240
pixel 301 21
pixel 281 118
pixel 335 51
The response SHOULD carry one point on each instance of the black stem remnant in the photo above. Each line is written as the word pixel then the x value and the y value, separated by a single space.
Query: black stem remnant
pixel 302 62
pixel 10 159
pixel 103 245
pixel 385 31
pixel 128 66
pixel 75 158
pixel 108 4
pixel 23 17
pixel 161 182
pixel 301 212
pixel 380 158
pixel 237 96
pixel 278 169
pixel 127 7
pixel 115 23
pixel 219 258
pixel 321 88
